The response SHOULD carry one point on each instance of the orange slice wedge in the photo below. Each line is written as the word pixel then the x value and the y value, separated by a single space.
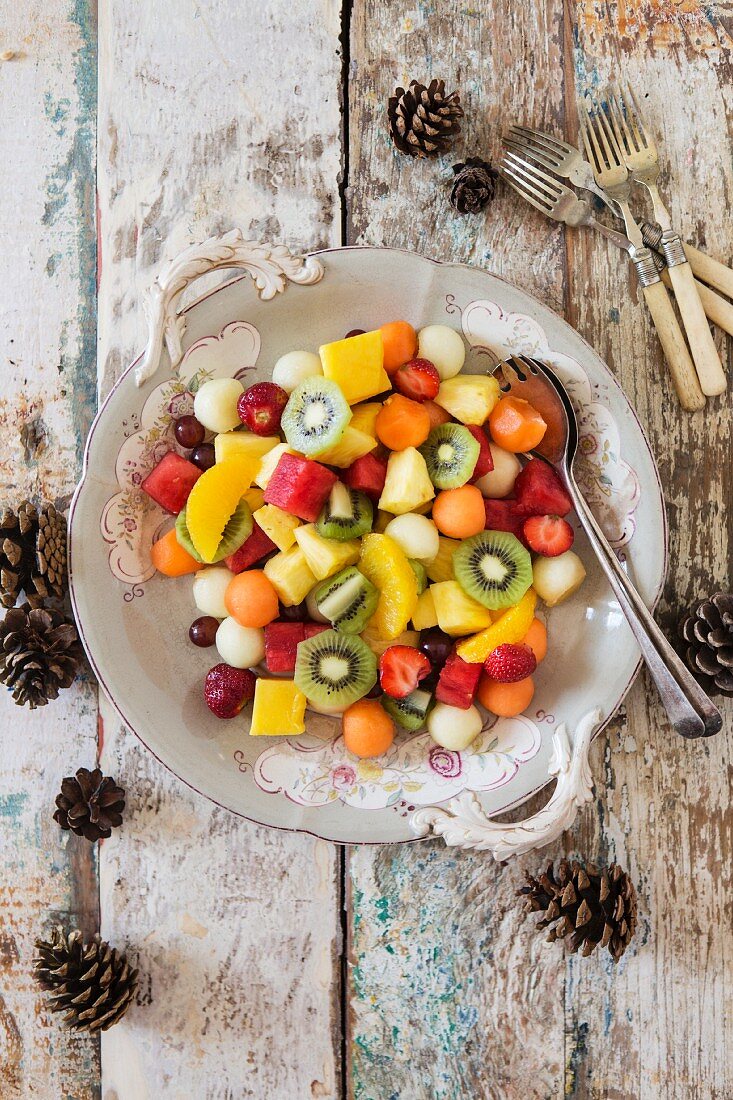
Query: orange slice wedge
pixel 213 499
pixel 509 627
pixel 385 564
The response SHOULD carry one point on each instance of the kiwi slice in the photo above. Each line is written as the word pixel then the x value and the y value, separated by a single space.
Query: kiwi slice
pixel 347 514
pixel 494 568
pixel 410 712
pixel 315 416
pixel 421 573
pixel 335 669
pixel 450 453
pixel 237 531
pixel 348 600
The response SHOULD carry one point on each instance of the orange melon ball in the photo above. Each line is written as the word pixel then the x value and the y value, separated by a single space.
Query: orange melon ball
pixel 536 639
pixel 400 345
pixel 368 729
pixel 459 513
pixel 402 423
pixel 506 700
pixel 516 425
pixel 251 599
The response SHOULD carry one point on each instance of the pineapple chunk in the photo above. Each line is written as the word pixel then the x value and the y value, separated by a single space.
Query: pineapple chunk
pixel 378 644
pixel 469 397
pixel 407 485
pixel 269 461
pixel 278 709
pixel 277 525
pixel 441 567
pixel 326 556
pixel 424 615
pixel 227 444
pixel 364 417
pixel 254 497
pixel 353 444
pixel 457 613
pixel 356 365
pixel 290 576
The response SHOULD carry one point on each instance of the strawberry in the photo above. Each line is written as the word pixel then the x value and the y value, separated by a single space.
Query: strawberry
pixel 261 406
pixel 368 475
pixel 540 491
pixel 509 663
pixel 227 689
pixel 504 515
pixel 548 535
pixel 418 379
pixel 458 682
pixel 484 462
pixel 401 668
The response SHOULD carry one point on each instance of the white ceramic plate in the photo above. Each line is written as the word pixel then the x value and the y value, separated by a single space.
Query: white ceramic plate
pixel 134 624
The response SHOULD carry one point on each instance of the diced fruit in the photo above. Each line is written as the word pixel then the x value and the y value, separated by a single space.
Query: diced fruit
pixel 441 567
pixel 419 570
pixel 334 670
pixel 253 550
pixel 268 464
pixel 203 456
pixel 506 700
pixel 188 432
pixel 315 416
pixel 453 728
pixel 548 535
pixel 300 486
pixel 504 515
pixel 368 729
pixel 226 690
pixel 509 663
pixel 536 639
pixel 364 417
pixel 215 404
pixel 235 534
pixel 444 348
pixel 457 682
pixel 326 556
pixel 557 578
pixel 367 475
pixel 509 627
pixel 437 415
pixel 378 644
pixel 278 709
pixel 457 613
pixel 311 629
pixel 290 575
pixel 484 462
pixel 171 481
pixel 382 521
pixel 261 407
pixel 437 647
pixel 402 423
pixel 386 566
pixel 401 668
pixel 294 367
pixel 459 513
pixel 209 590
pixel 243 443
pixel 347 514
pixel 356 365
pixel 279 526
pixel 399 341
pixel 281 645
pixel 494 568
pixel 451 453
pixel 469 398
pixel 418 380
pixel 540 492
pixel 255 497
pixel 407 484
pixel 240 646
pixel 170 558
pixel 251 598
pixel 202 631
pixel 424 616
pixel 499 482
pixel 515 425
pixel 213 501
pixel 417 535
pixel 352 446
pixel 410 712
pixel 347 601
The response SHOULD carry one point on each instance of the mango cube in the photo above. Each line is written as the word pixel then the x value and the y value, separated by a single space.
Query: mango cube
pixel 424 616
pixel 353 444
pixel 290 576
pixel 278 709
pixel 227 444
pixel 407 485
pixel 364 417
pixel 326 556
pixel 457 613
pixel 356 365
pixel 277 524
pixel 469 397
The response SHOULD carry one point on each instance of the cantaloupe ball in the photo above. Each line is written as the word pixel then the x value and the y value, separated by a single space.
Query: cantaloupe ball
pixel 294 367
pixel 215 404
pixel 444 348
pixel 452 727
pixel 240 646
pixel 416 535
pixel 499 482
pixel 209 589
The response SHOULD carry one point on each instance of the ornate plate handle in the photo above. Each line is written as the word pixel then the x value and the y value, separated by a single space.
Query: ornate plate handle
pixel 271 267
pixel 463 823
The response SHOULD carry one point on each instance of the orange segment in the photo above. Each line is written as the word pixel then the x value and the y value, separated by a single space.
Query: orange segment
pixel 512 627
pixel 386 566
pixel 212 501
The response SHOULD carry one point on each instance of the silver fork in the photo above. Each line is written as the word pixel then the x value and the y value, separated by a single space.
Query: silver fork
pixel 638 150
pixel 689 709
pixel 561 204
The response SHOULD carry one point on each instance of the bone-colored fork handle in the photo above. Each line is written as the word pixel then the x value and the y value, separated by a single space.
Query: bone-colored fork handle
pixel 717 308
pixel 704 352
pixel 709 270
pixel 675 349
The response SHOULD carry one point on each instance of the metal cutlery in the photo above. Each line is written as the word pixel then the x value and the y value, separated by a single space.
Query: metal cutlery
pixel 690 710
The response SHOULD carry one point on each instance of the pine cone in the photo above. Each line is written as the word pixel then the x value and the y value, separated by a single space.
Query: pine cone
pixel 423 121
pixel 474 186
pixel 90 804
pixel 708 630
pixel 91 982
pixel 39 654
pixel 590 907
pixel 32 554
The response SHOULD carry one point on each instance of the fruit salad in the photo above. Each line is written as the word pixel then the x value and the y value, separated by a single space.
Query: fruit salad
pixel 367 536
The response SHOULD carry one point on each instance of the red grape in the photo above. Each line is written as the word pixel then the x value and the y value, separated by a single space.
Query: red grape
pixel 436 646
pixel 202 632
pixel 189 432
pixel 354 332
pixel 204 456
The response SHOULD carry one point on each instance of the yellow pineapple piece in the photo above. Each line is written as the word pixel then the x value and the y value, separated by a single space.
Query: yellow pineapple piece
pixel 353 444
pixel 268 462
pixel 213 499
pixel 356 365
pixel 457 613
pixel 424 616
pixel 326 556
pixel 385 564
pixel 278 709
pixel 255 498
pixel 510 627
pixel 441 567
pixel 364 417
pixel 290 576
pixel 378 644
pixel 277 525
pixel 469 397
pixel 407 485
pixel 227 444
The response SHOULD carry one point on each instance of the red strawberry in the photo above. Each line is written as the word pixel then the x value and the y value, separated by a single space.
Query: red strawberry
pixel 256 546
pixel 261 406
pixel 281 645
pixel 548 535
pixel 484 462
pixel 418 379
pixel 458 682
pixel 227 689
pixel 401 668
pixel 509 663
pixel 300 486
pixel 540 491
pixel 504 515
pixel 367 475
pixel 170 482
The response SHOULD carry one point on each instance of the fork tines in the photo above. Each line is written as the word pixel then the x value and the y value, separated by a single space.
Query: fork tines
pixel 599 139
pixel 532 183
pixel 542 147
pixel 624 107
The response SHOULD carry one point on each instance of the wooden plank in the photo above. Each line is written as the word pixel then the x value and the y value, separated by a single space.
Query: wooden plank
pixel 47 336
pixel 207 120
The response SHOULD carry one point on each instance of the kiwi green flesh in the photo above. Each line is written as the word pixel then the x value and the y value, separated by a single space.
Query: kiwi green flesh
pixel 410 712
pixel 237 531
pixel 348 600
pixel 315 416
pixel 494 568
pixel 334 669
pixel 421 573
pixel 450 454
pixel 347 514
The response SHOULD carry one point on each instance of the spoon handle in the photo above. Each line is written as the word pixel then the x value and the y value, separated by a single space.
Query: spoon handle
pixel 689 709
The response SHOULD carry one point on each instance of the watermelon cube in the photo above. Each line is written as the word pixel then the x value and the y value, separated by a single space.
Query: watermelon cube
pixel 485 461
pixel 252 550
pixel 368 475
pixel 505 515
pixel 540 491
pixel 311 629
pixel 281 645
pixel 458 682
pixel 170 482
pixel 300 486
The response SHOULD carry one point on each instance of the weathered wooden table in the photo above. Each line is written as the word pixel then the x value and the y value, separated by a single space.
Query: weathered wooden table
pixel 278 966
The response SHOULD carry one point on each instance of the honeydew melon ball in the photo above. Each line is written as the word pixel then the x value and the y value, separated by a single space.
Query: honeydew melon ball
pixel 554 579
pixel 240 646
pixel 444 348
pixel 291 369
pixel 499 482
pixel 416 535
pixel 209 588
pixel 453 728
pixel 215 404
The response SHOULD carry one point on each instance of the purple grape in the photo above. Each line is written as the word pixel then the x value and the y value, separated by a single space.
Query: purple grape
pixel 189 432
pixel 354 332
pixel 436 646
pixel 297 614
pixel 202 632
pixel 204 456
pixel 375 692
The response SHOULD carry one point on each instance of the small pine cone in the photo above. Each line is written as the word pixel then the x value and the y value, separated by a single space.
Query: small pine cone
pixel 90 804
pixel 32 554
pixel 474 185
pixel 424 120
pixel 39 654
pixel 91 982
pixel 708 631
pixel 587 906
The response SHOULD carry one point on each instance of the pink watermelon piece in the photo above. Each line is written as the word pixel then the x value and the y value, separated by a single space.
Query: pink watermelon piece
pixel 367 475
pixel 484 462
pixel 300 486
pixel 458 682
pixel 281 645
pixel 255 547
pixel 311 629
pixel 540 491
pixel 170 482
